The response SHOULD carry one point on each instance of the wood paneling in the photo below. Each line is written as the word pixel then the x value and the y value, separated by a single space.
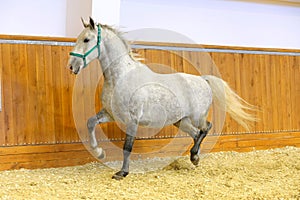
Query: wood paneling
pixel 38 95
pixel 59 155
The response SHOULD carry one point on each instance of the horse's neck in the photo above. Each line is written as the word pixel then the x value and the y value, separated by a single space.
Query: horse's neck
pixel 118 69
pixel 115 60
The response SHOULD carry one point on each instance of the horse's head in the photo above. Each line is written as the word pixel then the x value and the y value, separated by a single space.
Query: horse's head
pixel 87 47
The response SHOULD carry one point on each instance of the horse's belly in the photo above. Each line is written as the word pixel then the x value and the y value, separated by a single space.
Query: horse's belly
pixel 152 105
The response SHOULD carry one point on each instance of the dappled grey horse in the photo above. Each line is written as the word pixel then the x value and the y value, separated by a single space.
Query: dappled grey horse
pixel 136 96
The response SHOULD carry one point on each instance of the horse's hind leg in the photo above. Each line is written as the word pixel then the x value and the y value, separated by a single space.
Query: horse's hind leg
pixel 186 125
pixel 195 150
pixel 100 117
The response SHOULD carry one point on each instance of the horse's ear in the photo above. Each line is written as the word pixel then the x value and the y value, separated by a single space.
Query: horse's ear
pixel 84 23
pixel 92 23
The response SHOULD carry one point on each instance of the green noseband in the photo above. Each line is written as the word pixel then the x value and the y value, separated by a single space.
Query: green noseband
pixel 97 46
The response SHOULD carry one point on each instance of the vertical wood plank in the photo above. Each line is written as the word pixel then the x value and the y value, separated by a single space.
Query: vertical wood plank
pixel 268 93
pixel 49 136
pixel 288 86
pixel 283 68
pixel 257 85
pixel 24 103
pixel 227 70
pixel 18 93
pixel 238 86
pixel 262 113
pixel 67 122
pixel 2 115
pixel 57 89
pixel 280 106
pixel 249 90
pixel 41 97
pixel 274 93
pixel 32 104
pixel 296 92
pixel 9 127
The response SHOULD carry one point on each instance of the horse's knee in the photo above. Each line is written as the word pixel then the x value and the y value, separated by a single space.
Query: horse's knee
pixel 205 125
pixel 91 123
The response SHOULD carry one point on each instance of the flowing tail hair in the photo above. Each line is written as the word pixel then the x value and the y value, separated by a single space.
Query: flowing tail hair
pixel 230 102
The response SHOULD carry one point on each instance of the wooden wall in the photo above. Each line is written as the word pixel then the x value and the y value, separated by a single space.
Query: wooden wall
pixel 38 126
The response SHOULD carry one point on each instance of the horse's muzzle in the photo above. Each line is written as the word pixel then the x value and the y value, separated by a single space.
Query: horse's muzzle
pixel 72 70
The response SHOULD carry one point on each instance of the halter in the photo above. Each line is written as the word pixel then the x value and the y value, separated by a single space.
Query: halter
pixel 83 56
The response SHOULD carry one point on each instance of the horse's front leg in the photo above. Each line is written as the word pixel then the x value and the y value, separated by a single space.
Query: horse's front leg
pixel 129 140
pixel 100 117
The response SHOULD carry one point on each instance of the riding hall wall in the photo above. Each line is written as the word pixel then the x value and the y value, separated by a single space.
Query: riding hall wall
pixel 37 125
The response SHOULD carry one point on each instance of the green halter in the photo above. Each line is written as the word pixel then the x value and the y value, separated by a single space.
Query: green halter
pixel 83 56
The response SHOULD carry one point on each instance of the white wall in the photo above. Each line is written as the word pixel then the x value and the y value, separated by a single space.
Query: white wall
pixel 217 22
pixel 33 17
pixel 106 11
pixel 74 11
pixel 54 17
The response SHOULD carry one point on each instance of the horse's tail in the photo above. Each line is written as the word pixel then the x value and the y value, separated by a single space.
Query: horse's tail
pixel 232 103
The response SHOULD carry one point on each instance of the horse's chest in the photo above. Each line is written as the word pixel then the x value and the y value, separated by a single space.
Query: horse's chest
pixel 115 100
pixel 106 97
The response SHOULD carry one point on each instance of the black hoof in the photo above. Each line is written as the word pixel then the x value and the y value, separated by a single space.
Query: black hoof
pixel 120 175
pixel 102 156
pixel 195 159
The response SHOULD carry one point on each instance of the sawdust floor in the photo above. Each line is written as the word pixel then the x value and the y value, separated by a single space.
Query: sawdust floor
pixel 272 174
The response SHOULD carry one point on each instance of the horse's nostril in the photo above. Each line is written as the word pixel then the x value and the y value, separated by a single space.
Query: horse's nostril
pixel 71 67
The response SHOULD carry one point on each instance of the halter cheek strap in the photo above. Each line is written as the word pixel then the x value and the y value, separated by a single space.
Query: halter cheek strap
pixel 97 46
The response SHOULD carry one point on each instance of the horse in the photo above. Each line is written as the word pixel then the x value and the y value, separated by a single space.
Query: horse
pixel 136 96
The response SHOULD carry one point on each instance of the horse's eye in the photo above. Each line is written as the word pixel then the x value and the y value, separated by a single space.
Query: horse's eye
pixel 86 40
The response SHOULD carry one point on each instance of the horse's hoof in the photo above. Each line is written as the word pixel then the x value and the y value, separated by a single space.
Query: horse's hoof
pixel 120 175
pixel 102 156
pixel 195 159
pixel 99 153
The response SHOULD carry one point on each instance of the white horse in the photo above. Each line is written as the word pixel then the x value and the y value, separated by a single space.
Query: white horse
pixel 136 96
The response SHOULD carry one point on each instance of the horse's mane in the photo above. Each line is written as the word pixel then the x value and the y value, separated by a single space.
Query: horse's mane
pixel 135 56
